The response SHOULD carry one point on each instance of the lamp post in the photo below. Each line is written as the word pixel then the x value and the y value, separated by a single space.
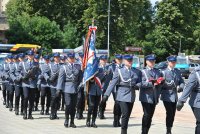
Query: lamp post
pixel 108 43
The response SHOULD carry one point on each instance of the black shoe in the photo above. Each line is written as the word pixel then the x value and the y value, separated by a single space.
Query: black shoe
pixel 119 124
pixel 7 106
pixel 144 130
pixel 30 117
pixel 11 108
pixel 87 124
pixel 124 131
pixel 42 112
pixel 72 125
pixel 16 112
pixel 169 130
pixel 22 113
pixel 25 116
pixel 93 125
pixel 36 109
pixel 115 124
pixel 56 117
pixel 101 116
pixel 47 112
pixel 52 117
pixel 66 123
pixel 81 117
pixel 78 116
pixel 4 103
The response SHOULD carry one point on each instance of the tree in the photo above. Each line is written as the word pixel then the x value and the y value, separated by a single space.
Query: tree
pixel 70 39
pixel 36 30
pixel 175 21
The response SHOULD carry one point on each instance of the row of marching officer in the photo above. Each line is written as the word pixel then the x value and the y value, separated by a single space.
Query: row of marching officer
pixel 23 76
pixel 152 83
pixel 19 76
pixel 55 78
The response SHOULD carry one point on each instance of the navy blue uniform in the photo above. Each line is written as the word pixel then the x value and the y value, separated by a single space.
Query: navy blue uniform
pixel 169 93
pixel 28 71
pixel 192 89
pixel 126 80
pixel 149 95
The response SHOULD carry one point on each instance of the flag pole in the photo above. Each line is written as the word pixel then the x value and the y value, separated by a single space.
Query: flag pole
pixel 87 83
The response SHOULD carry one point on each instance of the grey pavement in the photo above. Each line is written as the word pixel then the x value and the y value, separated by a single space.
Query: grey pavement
pixel 12 124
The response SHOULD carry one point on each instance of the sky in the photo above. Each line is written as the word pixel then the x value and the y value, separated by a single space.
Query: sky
pixel 153 1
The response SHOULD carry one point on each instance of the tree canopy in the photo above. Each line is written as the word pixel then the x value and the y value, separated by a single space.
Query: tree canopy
pixel 63 24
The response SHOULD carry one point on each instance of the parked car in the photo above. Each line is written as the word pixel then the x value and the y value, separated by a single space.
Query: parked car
pixel 193 66
pixel 161 65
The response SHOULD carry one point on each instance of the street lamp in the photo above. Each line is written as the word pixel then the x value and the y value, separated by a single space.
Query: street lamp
pixel 108 44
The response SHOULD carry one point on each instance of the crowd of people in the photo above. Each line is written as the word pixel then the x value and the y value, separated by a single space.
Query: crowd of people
pixel 58 84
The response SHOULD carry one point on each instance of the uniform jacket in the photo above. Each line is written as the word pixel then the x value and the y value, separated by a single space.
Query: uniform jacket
pixel 69 78
pixel 173 80
pixel 125 80
pixel 28 72
pixel 148 93
pixel 192 89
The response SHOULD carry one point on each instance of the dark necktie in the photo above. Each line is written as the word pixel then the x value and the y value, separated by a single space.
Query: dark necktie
pixel 152 73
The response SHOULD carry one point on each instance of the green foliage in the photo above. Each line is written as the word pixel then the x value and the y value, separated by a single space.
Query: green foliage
pixel 63 23
pixel 70 36
pixel 36 30
pixel 175 21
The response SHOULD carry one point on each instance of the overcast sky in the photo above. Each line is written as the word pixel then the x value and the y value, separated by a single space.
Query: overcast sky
pixel 153 1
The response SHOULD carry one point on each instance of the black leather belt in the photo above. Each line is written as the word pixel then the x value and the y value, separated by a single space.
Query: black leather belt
pixel 127 86
pixel 69 81
pixel 196 91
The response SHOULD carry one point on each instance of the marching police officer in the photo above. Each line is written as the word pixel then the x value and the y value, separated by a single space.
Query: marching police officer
pixel 173 83
pixel 4 85
pixel 116 109
pixel 37 92
pixel 192 90
pixel 150 91
pixel 127 80
pixel 107 77
pixel 10 86
pixel 94 97
pixel 69 78
pixel 62 99
pixel 43 85
pixel 81 96
pixel 28 71
pixel 17 85
pixel 54 71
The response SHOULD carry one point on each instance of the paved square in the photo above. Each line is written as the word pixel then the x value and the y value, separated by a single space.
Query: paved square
pixel 12 124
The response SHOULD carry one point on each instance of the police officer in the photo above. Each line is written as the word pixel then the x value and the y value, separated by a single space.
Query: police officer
pixel 81 96
pixel 107 77
pixel 116 109
pixel 4 84
pixel 150 91
pixel 62 99
pixel 21 59
pixel 10 86
pixel 94 97
pixel 37 92
pixel 28 71
pixel 192 90
pixel 127 80
pixel 68 80
pixel 173 84
pixel 43 85
pixel 17 85
pixel 54 71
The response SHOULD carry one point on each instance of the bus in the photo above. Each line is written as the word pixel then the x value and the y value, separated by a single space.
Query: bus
pixel 18 48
